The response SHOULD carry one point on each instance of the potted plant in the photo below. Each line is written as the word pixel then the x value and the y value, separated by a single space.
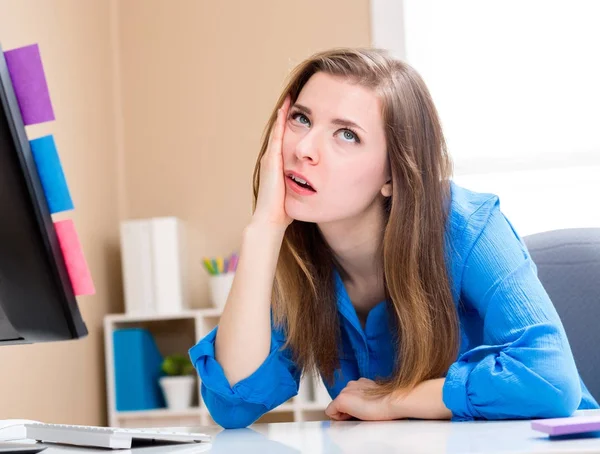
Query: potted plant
pixel 178 382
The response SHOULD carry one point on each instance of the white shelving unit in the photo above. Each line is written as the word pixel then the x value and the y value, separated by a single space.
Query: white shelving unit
pixel 177 333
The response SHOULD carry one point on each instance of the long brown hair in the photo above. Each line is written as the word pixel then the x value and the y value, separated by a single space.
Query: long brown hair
pixel 414 241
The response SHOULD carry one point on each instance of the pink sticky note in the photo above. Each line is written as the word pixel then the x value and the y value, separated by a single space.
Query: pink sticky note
pixel 81 279
pixel 29 83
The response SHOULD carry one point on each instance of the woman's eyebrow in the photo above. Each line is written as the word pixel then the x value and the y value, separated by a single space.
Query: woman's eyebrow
pixel 335 121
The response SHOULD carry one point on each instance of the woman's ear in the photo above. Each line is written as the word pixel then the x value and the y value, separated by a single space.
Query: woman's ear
pixel 386 190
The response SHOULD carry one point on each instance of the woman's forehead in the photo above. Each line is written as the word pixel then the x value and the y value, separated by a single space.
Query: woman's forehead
pixel 330 97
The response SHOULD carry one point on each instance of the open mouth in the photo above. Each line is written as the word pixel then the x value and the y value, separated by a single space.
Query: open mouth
pixel 301 183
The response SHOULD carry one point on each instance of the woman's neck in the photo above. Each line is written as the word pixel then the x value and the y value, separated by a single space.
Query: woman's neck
pixel 356 245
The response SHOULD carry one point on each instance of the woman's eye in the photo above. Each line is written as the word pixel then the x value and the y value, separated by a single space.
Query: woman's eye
pixel 301 118
pixel 349 136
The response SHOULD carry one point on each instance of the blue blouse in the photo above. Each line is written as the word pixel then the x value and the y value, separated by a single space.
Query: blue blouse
pixel 514 359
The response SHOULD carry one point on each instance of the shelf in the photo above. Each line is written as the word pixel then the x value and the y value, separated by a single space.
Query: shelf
pixel 159 413
pixel 312 406
pixel 210 312
pixel 192 313
pixel 177 332
pixel 283 408
pixel 194 411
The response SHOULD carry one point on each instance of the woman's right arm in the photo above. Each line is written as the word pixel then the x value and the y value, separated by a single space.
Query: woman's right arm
pixel 243 368
pixel 244 334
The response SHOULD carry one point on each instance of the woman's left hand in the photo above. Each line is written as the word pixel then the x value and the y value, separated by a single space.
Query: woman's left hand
pixel 424 401
pixel 353 402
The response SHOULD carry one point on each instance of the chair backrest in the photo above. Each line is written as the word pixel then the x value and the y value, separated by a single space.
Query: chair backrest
pixel 568 263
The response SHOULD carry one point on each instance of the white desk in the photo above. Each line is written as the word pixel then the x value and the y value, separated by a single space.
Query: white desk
pixel 329 437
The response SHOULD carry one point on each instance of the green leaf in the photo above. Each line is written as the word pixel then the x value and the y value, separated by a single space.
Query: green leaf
pixel 175 365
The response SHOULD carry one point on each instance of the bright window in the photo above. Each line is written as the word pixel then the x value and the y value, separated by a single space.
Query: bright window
pixel 517 86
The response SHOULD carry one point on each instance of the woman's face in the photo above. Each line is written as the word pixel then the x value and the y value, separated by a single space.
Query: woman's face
pixel 334 139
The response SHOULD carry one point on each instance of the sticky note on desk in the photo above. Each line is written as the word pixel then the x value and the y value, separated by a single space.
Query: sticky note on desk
pixel 29 83
pixel 79 273
pixel 51 174
pixel 567 426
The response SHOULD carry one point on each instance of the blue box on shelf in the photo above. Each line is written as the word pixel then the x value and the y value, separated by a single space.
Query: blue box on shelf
pixel 137 370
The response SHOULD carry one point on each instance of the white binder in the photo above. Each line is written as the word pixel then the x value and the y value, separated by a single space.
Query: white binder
pixel 153 264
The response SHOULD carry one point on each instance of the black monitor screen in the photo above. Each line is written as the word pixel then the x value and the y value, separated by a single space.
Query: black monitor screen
pixel 37 303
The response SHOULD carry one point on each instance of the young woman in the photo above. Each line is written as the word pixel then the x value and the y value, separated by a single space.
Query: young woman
pixel 411 296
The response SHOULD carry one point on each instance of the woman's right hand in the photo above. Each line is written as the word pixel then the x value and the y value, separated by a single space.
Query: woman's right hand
pixel 270 203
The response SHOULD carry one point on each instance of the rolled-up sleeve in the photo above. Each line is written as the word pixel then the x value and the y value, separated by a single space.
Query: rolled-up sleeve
pixel 524 367
pixel 275 381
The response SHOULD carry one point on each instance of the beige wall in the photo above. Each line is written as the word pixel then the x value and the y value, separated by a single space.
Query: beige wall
pixel 166 121
pixel 200 79
pixel 64 382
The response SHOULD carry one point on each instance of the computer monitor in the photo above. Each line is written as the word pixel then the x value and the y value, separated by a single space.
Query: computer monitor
pixel 37 303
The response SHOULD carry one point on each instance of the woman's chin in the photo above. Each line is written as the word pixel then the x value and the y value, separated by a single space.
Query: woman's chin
pixel 302 217
pixel 299 213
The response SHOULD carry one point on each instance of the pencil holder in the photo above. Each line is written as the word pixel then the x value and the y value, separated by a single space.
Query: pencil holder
pixel 220 285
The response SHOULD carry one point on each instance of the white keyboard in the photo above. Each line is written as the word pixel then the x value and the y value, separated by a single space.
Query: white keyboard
pixel 107 437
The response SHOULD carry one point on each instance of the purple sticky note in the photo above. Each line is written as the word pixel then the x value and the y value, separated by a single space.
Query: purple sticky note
pixel 29 82
pixel 567 426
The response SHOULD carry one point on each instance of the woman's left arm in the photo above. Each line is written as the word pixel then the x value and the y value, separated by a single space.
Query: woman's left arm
pixel 422 402
pixel 524 367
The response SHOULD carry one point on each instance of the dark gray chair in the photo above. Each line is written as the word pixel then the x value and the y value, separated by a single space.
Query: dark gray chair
pixel 568 263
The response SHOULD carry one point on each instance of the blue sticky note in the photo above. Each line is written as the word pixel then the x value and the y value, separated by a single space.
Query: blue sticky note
pixel 51 174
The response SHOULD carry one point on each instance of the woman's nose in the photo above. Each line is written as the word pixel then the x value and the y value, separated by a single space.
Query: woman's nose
pixel 308 148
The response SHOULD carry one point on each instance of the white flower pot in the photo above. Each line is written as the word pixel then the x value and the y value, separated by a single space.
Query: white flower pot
pixel 219 287
pixel 178 391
